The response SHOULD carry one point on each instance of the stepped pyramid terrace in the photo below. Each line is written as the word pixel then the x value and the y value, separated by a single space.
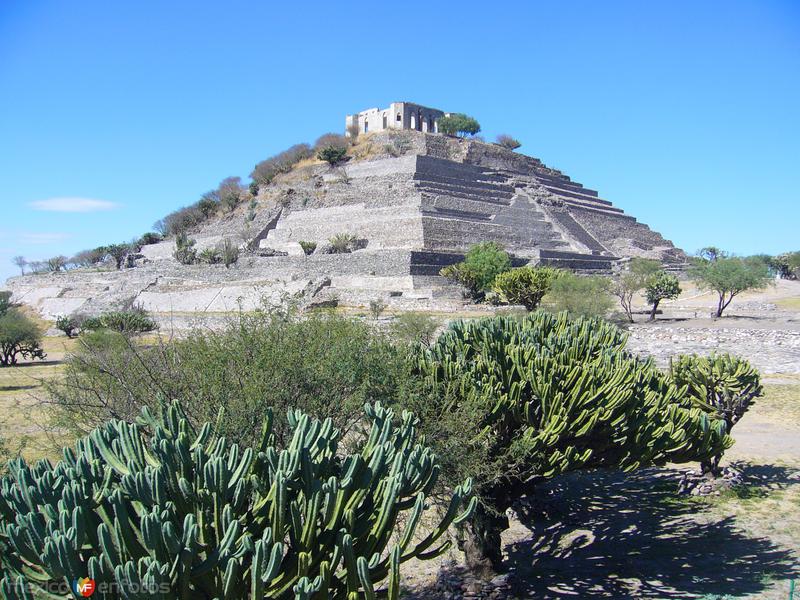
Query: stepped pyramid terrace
pixel 415 201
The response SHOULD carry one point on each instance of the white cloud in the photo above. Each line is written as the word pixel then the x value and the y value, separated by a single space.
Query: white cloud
pixel 78 205
pixel 43 238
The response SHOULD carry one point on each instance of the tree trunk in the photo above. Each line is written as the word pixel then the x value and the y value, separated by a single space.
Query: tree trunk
pixel 479 540
pixel 711 465
pixel 653 311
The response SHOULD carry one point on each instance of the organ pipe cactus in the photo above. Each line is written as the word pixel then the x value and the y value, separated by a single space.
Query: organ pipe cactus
pixel 721 385
pixel 550 394
pixel 157 509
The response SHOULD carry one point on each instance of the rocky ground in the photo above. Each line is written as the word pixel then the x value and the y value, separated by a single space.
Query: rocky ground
pixel 601 534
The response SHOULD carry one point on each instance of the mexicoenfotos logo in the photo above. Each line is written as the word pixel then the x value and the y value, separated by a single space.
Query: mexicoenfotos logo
pixel 84 586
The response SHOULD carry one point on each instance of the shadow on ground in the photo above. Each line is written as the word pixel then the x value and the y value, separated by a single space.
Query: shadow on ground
pixel 606 535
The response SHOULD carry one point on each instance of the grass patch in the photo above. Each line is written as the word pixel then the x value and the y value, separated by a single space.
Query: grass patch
pixel 788 303
pixel 780 403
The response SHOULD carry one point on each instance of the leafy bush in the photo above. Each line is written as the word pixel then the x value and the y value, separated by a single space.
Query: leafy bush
pixel 326 365
pixel 87 258
pixel 180 220
pixel 134 320
pixel 514 400
pixel 787 266
pixel 579 295
pixel 729 276
pixel 661 286
pixel 525 285
pixel 334 140
pixel 414 328
pixel 149 238
pixel 631 280
pixel 721 385
pixel 506 141
pixel 19 336
pixel 308 247
pixel 343 243
pixel 482 264
pixel 210 256
pixel 458 124
pixel 208 203
pixel 196 516
pixel 185 252
pixel 68 324
pixel 332 155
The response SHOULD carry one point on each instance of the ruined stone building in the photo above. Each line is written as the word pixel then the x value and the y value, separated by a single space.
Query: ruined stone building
pixel 399 115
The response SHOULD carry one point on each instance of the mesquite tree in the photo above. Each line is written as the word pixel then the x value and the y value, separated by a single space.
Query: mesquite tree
pixel 535 397
pixel 729 276
pixel 661 286
pixel 165 511
pixel 722 385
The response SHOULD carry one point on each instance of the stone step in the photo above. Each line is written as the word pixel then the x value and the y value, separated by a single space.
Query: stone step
pixel 465 187
pixel 576 230
pixel 434 192
pixel 449 168
pixel 566 184
pixel 462 181
pixel 576 196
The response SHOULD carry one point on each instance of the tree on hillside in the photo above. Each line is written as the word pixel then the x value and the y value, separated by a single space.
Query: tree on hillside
pixel 458 124
pixel 56 263
pixel 632 280
pixel 21 262
pixel 230 192
pixel 19 336
pixel 661 286
pixel 729 276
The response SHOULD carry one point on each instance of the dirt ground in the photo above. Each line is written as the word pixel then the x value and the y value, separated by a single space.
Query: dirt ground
pixel 602 534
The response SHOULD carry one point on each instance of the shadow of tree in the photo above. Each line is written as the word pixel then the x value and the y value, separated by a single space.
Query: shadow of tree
pixel 608 535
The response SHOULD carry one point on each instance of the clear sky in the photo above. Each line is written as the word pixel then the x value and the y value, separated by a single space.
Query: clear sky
pixel 684 114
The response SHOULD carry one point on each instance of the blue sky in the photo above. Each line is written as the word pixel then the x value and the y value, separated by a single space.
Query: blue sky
pixel 685 114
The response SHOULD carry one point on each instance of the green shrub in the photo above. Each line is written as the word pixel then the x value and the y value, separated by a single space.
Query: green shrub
pixel 376 308
pixel 185 252
pixel 5 302
pixel 68 324
pixel 414 328
pixel 514 400
pixel 525 285
pixel 229 253
pixel 458 124
pixel 308 247
pixel 332 155
pixel 661 286
pixel 178 512
pixel 210 256
pixel 134 320
pixel 325 364
pixel 579 295
pixel 343 243
pixel 19 337
pixel 150 238
pixel 481 265
pixel 721 385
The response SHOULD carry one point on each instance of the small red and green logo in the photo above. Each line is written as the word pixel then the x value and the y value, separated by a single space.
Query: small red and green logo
pixel 84 586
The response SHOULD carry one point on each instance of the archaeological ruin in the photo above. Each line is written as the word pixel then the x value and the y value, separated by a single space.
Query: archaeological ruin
pixel 412 201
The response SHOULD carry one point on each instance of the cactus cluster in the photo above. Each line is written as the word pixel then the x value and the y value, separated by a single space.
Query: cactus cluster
pixel 551 394
pixel 721 385
pixel 568 392
pixel 157 509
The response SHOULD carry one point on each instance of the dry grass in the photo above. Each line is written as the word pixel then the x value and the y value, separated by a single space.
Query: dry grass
pixel 24 422
pixel 781 402
pixel 788 303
